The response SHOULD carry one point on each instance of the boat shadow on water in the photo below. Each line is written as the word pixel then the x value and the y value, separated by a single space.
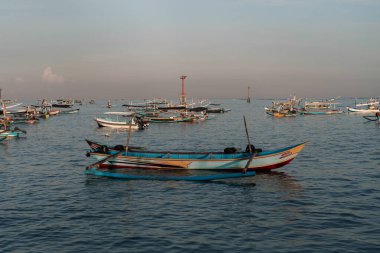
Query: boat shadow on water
pixel 275 180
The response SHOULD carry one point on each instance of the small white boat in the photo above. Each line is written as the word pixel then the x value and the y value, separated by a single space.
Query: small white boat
pixel 372 106
pixel 120 124
pixel 115 123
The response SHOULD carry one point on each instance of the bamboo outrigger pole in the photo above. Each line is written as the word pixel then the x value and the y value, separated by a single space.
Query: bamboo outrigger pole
pixel 249 146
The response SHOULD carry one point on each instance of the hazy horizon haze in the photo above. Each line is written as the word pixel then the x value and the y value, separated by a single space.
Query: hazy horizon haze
pixel 138 49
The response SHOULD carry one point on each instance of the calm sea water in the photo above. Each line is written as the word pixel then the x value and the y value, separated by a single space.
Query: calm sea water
pixel 326 200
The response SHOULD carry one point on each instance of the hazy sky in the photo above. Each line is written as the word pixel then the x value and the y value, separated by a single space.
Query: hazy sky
pixel 139 48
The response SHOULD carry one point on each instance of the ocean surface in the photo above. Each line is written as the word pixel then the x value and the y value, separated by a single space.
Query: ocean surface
pixel 326 200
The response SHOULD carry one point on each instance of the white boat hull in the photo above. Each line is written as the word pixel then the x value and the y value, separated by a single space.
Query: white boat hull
pixel 350 109
pixel 115 124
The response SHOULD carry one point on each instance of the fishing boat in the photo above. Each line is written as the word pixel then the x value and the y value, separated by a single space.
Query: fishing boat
pixel 229 160
pixel 171 119
pixel 16 132
pixel 372 106
pixel 72 111
pixel 217 110
pixel 5 131
pixel 109 105
pixel 280 109
pixel 53 112
pixel 63 103
pixel 121 123
pixel 321 107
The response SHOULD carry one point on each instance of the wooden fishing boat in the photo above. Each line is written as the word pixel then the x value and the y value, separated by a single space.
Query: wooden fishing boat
pixel 217 110
pixel 117 124
pixel 24 121
pixel 280 109
pixel 372 106
pixel 120 124
pixel 72 111
pixel 230 160
pixel 109 105
pixel 281 114
pixel 321 107
pixel 172 119
pixel 11 133
pixel 62 103
pixel 53 112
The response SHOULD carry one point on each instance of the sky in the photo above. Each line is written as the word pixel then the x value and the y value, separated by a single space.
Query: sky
pixel 136 49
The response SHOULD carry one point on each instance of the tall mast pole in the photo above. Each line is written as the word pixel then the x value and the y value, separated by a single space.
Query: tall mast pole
pixel 183 97
pixel 248 97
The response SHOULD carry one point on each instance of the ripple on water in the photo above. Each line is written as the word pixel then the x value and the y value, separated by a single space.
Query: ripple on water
pixel 326 200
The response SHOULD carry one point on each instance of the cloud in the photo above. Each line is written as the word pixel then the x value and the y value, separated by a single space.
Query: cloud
pixel 50 77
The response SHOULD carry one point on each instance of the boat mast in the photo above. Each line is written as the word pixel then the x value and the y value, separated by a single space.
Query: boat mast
pixel 4 114
pixel 183 97
pixel 248 97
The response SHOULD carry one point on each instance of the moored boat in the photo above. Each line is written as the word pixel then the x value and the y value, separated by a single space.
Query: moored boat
pixel 72 111
pixel 280 109
pixel 11 133
pixel 320 107
pixel 229 160
pixel 121 124
pixel 372 106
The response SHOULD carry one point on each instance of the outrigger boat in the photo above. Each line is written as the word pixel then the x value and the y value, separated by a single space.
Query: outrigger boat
pixel 372 106
pixel 16 132
pixel 243 164
pixel 120 124
pixel 72 111
pixel 323 107
pixel 229 160
pixel 280 109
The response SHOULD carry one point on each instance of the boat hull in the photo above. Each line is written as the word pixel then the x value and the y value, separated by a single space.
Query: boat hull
pixel 350 109
pixel 266 160
pixel 115 124
pixel 330 112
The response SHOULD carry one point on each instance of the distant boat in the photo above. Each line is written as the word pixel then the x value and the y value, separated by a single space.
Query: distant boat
pixel 69 111
pixel 53 112
pixel 217 110
pixel 116 123
pixel 63 104
pixel 280 109
pixel 281 114
pixel 16 132
pixel 372 106
pixel 171 119
pixel 322 107
pixel 109 105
